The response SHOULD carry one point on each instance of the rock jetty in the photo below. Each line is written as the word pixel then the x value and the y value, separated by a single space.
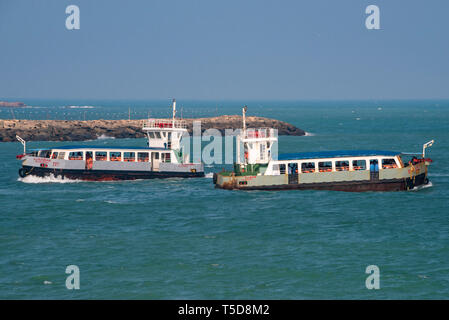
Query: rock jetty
pixel 64 130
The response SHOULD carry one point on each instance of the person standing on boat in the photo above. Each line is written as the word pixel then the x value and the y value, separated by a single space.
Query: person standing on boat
pixel 89 161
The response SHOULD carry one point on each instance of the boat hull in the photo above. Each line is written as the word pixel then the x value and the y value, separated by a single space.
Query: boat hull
pixel 104 175
pixel 348 186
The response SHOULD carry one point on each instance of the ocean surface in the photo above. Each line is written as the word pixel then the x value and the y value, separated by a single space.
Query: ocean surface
pixel 183 239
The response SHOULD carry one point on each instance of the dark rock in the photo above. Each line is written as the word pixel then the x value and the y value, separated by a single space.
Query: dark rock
pixel 63 130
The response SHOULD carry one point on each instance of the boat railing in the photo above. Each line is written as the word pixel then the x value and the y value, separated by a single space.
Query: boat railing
pixel 256 133
pixel 163 124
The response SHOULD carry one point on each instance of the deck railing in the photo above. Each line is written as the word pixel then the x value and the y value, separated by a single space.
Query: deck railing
pixel 164 123
pixel 256 133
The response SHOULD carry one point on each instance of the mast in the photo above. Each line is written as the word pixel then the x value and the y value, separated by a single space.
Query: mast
pixel 174 111
pixel 244 117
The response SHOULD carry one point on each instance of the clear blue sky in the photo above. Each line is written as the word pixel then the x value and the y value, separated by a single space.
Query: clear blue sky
pixel 207 49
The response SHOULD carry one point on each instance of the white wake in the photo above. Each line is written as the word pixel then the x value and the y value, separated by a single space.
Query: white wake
pixel 425 186
pixel 49 179
pixel 104 137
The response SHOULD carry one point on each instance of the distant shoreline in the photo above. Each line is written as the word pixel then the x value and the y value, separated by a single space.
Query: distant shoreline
pixel 76 130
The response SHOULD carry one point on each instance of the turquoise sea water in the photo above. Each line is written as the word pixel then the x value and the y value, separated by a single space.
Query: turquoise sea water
pixel 175 239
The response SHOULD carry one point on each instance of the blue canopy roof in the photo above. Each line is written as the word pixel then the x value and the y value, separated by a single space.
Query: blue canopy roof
pixel 336 154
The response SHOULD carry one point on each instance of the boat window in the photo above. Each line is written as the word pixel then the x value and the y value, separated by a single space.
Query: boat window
pixel 325 166
pixel 282 168
pixel 151 134
pixel 308 167
pixel 156 155
pixel 129 156
pixel 54 155
pixel 101 156
pixel 76 155
pixel 389 164
pixel 45 153
pixel 167 157
pixel 143 156
pixel 61 155
pixel 359 164
pixel 157 134
pixel 342 165
pixel 115 156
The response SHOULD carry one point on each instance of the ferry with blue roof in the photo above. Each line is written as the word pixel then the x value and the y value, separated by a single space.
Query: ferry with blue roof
pixel 344 170
pixel 162 158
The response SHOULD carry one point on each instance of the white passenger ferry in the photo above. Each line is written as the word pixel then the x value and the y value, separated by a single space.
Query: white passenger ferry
pixel 162 158
pixel 343 170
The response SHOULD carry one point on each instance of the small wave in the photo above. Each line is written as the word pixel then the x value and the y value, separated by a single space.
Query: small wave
pixel 438 174
pixel 49 179
pixel 80 107
pixel 104 137
pixel 209 175
pixel 310 134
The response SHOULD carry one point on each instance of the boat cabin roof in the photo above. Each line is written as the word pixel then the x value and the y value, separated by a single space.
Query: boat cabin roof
pixel 104 148
pixel 97 148
pixel 336 154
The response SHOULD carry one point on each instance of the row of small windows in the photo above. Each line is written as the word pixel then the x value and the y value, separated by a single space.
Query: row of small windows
pixel 343 165
pixel 113 156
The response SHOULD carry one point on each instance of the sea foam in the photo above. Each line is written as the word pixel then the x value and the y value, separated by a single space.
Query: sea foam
pixel 50 179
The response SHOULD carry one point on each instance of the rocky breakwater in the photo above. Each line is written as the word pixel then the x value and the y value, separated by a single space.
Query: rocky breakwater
pixel 63 130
